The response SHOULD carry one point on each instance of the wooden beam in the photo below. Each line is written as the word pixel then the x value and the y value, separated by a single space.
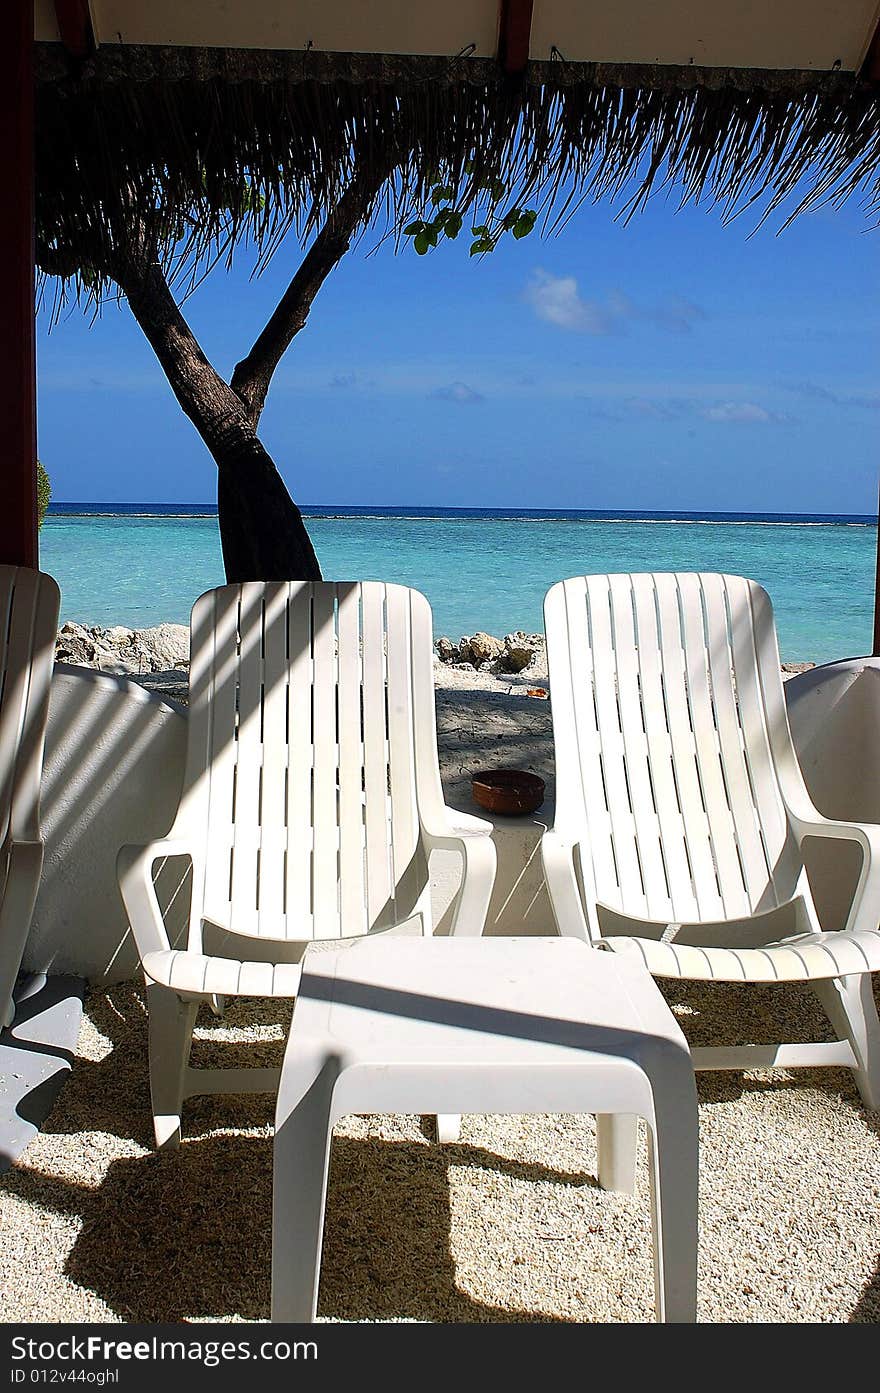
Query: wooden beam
pixel 514 35
pixel 18 395
pixel 75 27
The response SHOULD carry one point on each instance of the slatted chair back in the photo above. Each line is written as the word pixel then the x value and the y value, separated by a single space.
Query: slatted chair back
pixel 29 604
pixel 311 720
pixel 669 718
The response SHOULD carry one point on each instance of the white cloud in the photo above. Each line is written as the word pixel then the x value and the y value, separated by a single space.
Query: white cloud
pixel 677 315
pixel 682 408
pixel 739 413
pixel 458 392
pixel 557 300
pixel 866 401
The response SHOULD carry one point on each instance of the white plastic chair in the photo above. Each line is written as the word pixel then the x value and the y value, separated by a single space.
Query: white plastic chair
pixel 311 800
pixel 29 604
pixel 681 808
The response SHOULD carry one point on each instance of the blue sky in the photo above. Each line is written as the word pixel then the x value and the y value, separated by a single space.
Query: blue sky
pixel 670 364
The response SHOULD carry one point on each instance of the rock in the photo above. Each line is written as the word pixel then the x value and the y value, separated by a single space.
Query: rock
pixel 169 644
pixel 485 649
pixel 124 651
pixel 464 667
pixel 75 645
pixel 521 650
pixel 454 654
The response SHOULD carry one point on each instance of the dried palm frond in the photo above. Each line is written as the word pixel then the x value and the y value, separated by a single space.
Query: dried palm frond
pixel 199 150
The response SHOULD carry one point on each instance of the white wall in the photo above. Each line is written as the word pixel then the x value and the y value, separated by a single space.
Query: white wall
pixel 834 712
pixel 112 774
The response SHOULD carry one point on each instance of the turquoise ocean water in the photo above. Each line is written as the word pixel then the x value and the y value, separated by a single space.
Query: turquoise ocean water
pixel 480 570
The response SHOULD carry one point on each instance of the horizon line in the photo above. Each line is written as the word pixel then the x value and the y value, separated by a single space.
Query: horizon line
pixel 405 508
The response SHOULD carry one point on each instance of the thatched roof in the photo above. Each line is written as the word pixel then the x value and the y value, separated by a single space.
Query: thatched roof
pixel 180 133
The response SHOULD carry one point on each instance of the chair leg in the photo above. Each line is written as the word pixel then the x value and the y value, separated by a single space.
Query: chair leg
pixel 448 1126
pixel 301 1156
pixel 617 1138
pixel 171 1028
pixel 849 1004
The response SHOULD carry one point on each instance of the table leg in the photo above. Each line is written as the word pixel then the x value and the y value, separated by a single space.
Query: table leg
pixel 448 1126
pixel 673 1156
pixel 301 1156
pixel 617 1139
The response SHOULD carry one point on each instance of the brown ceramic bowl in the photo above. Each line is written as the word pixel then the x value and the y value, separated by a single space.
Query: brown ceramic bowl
pixel 512 792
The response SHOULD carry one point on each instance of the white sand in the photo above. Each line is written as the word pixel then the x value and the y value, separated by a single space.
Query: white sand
pixel 506 1225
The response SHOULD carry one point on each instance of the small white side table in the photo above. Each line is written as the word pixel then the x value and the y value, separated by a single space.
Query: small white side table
pixel 452 1025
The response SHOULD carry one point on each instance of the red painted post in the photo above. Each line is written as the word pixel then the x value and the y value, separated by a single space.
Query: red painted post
pixel 18 389
pixel 514 35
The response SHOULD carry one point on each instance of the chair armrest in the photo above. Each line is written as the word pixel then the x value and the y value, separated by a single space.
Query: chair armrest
pixel 134 869
pixel 471 837
pixel 865 908
pixel 18 896
pixel 20 888
pixel 452 826
pixel 557 855
pixel 17 900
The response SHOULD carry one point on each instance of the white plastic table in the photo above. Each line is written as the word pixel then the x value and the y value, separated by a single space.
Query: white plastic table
pixel 449 1025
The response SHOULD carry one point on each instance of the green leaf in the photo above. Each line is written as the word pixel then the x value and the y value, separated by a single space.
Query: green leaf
pixel 499 188
pixel 438 195
pixel 44 493
pixel 484 244
pixel 414 229
pixel 524 225
pixel 452 225
pixel 481 231
pixel 431 233
pixel 476 248
pixel 511 219
pixel 468 166
pixel 422 242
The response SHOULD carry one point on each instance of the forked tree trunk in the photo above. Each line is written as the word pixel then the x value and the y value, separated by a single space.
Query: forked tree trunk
pixel 261 528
